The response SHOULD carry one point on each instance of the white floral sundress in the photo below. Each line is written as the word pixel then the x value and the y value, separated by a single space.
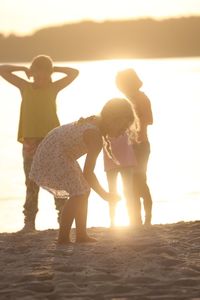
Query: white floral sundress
pixel 55 166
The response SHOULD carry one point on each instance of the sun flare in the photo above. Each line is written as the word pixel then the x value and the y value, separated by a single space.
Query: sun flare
pixel 121 214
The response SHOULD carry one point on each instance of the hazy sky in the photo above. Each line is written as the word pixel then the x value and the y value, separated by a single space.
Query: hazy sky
pixel 25 16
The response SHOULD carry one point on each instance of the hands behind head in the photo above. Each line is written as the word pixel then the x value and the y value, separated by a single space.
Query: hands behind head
pixel 28 72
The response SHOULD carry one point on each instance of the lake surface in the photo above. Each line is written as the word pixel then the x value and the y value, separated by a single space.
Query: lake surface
pixel 174 166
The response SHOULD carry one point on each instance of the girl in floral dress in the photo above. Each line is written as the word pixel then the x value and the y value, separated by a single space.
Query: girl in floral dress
pixel 56 169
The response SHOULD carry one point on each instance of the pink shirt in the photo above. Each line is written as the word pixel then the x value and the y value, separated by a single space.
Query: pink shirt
pixel 123 152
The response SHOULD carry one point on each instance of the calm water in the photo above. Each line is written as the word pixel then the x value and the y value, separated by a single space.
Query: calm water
pixel 174 166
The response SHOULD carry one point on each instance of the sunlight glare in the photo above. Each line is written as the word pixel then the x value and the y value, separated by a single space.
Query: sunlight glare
pixel 47 215
pixel 121 215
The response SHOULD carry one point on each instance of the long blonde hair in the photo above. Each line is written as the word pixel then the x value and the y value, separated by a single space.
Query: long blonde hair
pixel 114 110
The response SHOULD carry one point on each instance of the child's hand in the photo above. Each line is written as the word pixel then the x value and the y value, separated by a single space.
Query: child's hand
pixel 112 197
pixel 27 72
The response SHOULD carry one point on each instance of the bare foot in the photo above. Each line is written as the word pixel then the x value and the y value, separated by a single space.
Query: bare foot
pixel 86 239
pixel 64 242
pixel 28 227
pixel 147 225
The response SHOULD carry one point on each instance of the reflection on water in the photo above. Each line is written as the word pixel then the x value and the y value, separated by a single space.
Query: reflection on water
pixel 174 166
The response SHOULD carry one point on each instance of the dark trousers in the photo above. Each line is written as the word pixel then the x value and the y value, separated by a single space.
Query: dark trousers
pixel 141 189
pixel 32 191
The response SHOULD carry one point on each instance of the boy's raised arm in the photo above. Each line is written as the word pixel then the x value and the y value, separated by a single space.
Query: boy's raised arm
pixel 6 71
pixel 63 82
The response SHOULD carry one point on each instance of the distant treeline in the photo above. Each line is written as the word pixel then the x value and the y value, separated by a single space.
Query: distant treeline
pixel 142 38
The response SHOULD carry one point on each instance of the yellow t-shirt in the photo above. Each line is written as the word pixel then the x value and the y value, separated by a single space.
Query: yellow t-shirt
pixel 38 112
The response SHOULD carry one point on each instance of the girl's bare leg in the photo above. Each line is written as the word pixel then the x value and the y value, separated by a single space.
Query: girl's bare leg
pixel 112 208
pixel 112 184
pixel 81 221
pixel 68 215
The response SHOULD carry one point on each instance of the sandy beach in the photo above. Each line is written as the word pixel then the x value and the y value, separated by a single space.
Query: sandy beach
pixel 162 262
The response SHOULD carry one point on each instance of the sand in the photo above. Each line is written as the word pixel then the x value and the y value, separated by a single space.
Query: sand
pixel 162 262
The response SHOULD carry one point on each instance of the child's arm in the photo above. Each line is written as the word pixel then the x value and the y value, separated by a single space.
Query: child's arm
pixel 142 106
pixel 6 71
pixel 147 116
pixel 63 82
pixel 94 145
